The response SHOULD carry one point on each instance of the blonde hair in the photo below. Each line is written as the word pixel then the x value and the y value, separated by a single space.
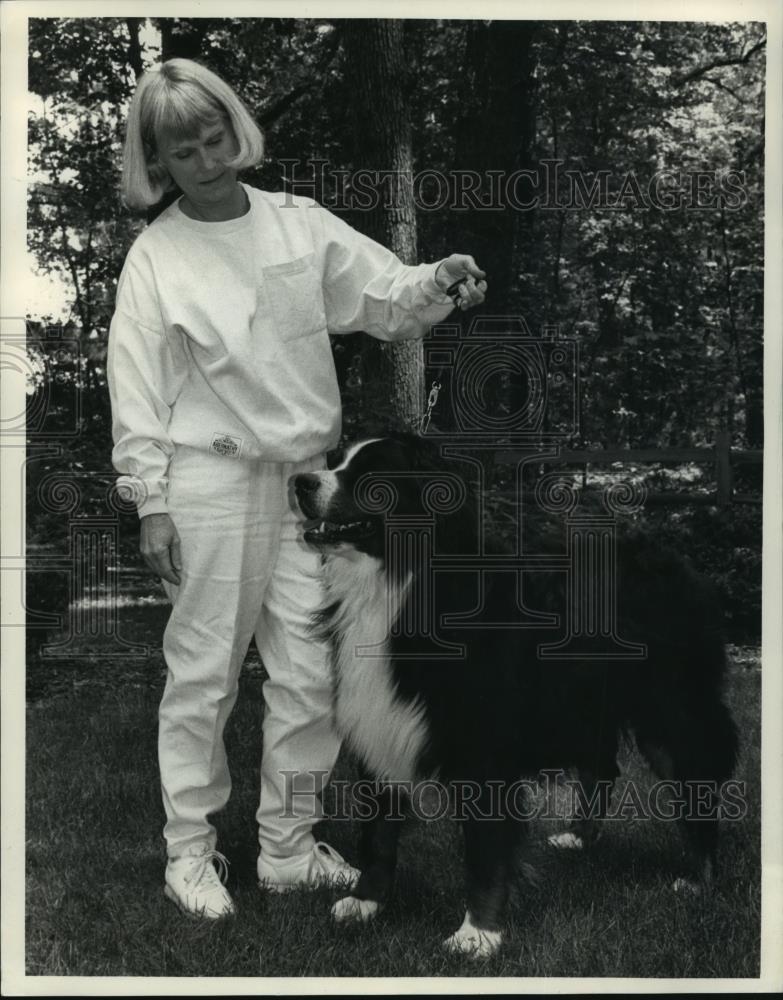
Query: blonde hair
pixel 178 99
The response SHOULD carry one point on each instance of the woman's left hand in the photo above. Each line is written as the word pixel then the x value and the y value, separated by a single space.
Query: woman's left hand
pixel 461 269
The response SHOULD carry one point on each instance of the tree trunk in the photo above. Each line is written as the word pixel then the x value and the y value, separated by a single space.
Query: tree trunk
pixel 134 45
pixel 165 26
pixel 182 37
pixel 392 374
pixel 495 132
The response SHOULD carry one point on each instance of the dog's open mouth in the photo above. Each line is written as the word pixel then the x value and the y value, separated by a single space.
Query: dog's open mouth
pixel 331 533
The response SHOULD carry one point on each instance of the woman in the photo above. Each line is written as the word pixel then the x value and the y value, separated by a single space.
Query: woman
pixel 223 387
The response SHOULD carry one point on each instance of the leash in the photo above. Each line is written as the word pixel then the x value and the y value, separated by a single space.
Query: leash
pixel 453 293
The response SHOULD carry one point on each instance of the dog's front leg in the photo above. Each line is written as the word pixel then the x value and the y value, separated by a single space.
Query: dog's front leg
pixel 378 853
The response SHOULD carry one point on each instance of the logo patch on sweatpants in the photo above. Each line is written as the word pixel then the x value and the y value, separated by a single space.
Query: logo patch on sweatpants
pixel 226 445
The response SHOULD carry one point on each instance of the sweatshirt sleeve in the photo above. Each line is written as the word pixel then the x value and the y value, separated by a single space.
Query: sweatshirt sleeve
pixel 144 378
pixel 366 287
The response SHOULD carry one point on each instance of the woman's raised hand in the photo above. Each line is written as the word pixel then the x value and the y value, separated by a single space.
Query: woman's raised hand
pixel 461 270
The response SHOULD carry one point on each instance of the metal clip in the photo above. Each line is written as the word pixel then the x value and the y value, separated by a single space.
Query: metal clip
pixel 431 401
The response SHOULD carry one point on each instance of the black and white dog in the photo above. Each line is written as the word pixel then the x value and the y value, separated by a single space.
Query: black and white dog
pixel 477 708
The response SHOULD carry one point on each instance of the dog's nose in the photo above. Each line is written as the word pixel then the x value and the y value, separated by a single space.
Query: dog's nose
pixel 306 482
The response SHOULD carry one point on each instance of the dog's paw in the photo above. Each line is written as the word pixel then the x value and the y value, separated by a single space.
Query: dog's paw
pixel 566 840
pixel 473 941
pixel 686 887
pixel 352 909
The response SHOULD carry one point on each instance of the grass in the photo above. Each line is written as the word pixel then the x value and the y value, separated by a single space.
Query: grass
pixel 95 859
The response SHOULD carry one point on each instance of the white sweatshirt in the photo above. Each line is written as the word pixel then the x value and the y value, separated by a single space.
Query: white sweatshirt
pixel 220 336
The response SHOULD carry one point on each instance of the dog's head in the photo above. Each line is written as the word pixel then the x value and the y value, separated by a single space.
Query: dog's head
pixel 397 475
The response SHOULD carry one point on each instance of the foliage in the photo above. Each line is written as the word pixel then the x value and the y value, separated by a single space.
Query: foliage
pixel 76 229
pixel 670 350
pixel 665 305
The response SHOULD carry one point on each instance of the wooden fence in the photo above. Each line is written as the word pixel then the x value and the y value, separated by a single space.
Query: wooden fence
pixel 721 456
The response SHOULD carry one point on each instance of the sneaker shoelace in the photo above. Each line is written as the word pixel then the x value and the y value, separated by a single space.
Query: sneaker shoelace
pixel 335 860
pixel 206 872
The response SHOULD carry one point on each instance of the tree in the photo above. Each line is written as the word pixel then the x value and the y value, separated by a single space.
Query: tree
pixel 375 58
pixel 81 72
pixel 644 290
pixel 494 132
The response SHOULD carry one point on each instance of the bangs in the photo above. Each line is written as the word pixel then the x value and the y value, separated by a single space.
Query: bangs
pixel 180 112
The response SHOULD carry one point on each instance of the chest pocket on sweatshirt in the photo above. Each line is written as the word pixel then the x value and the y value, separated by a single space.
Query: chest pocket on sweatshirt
pixel 293 291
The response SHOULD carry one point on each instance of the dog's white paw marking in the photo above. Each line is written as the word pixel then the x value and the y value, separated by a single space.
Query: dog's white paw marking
pixel 473 941
pixel 566 840
pixel 686 887
pixel 351 908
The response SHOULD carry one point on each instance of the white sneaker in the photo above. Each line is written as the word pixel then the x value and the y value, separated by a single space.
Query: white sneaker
pixel 320 866
pixel 193 883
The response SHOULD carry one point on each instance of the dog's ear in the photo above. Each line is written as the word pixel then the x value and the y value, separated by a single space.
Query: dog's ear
pixel 420 452
pixel 381 428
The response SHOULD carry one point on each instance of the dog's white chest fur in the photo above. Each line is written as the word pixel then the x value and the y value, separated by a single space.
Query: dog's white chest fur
pixel 387 731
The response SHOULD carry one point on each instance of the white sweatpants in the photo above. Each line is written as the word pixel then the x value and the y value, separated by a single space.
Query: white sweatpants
pixel 245 571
